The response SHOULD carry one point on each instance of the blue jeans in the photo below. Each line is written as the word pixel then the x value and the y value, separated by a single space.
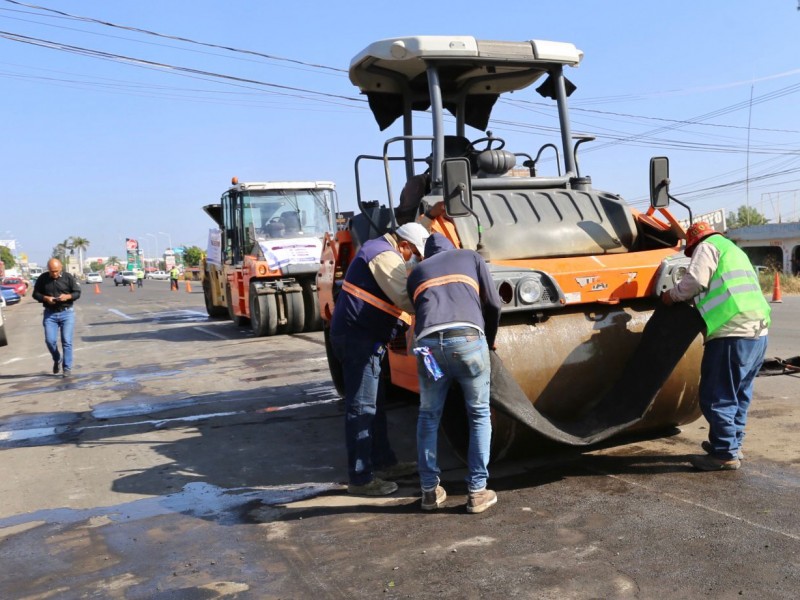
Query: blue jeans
pixel 464 360
pixel 726 387
pixel 64 321
pixel 366 431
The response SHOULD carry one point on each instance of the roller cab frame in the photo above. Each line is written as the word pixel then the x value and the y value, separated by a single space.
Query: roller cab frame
pixel 579 271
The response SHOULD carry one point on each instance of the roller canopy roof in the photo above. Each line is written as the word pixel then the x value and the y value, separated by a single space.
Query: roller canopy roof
pixel 480 70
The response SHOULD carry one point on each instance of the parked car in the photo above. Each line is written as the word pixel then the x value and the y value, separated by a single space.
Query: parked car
pixel 163 275
pixel 20 285
pixel 3 338
pixel 94 278
pixel 10 295
pixel 125 278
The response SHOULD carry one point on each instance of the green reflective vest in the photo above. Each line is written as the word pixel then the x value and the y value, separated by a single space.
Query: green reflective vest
pixel 733 290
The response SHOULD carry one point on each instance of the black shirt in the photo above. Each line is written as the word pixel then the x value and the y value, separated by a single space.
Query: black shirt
pixel 46 285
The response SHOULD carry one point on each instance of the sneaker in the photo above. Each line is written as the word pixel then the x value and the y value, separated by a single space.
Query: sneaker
pixel 481 500
pixel 433 499
pixel 67 373
pixel 376 487
pixel 709 462
pixel 56 366
pixel 709 449
pixel 401 469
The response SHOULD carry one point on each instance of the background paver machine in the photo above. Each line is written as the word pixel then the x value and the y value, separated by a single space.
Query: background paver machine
pixel 270 240
pixel 579 270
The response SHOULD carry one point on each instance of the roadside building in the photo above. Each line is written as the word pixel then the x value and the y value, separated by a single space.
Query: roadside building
pixel 771 245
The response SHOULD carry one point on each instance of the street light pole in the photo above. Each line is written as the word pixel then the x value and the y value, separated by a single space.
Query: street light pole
pixel 155 247
pixel 169 238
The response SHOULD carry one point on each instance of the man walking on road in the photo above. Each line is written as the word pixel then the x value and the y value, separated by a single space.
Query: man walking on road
pixel 372 307
pixel 139 277
pixel 57 291
pixel 457 316
pixel 726 291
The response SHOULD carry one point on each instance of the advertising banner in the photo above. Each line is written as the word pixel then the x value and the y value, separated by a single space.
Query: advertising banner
pixel 214 249
pixel 714 218
pixel 132 249
pixel 280 253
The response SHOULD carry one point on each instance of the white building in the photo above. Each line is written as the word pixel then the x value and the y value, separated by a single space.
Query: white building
pixel 773 244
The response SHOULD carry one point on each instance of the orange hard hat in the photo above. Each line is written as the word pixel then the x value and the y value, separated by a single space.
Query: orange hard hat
pixel 696 233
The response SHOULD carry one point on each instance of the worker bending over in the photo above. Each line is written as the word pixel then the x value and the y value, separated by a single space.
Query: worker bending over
pixel 457 316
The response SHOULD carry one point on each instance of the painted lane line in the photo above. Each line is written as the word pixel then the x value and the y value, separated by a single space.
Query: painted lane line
pixel 212 333
pixel 120 314
pixel 700 505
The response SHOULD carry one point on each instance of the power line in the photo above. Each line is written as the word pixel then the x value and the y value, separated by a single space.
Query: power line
pixel 173 37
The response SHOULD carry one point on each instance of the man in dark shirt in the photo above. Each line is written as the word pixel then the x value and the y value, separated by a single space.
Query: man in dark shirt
pixel 57 291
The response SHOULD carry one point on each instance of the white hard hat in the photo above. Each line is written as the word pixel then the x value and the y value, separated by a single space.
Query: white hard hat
pixel 414 233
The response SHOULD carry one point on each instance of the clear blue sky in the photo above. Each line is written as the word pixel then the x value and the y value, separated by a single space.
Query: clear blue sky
pixel 107 149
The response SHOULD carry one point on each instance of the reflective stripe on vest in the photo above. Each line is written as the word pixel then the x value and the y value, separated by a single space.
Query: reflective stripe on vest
pixel 444 280
pixel 733 290
pixel 378 303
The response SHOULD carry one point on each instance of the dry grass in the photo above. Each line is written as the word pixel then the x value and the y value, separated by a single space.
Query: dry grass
pixel 790 284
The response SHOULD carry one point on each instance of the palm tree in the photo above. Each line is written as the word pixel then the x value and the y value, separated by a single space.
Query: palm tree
pixel 60 250
pixel 80 244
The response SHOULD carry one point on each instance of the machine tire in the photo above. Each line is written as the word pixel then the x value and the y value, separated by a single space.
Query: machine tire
pixel 334 366
pixel 295 312
pixel 215 312
pixel 263 313
pixel 311 301
pixel 237 320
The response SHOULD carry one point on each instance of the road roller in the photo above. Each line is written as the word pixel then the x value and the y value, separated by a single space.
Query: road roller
pixel 586 353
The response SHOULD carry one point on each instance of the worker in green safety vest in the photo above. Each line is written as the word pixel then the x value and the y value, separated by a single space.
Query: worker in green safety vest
pixel 724 287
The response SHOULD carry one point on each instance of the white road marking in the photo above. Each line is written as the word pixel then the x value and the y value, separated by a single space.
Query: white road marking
pixel 213 333
pixel 120 313
pixel 700 505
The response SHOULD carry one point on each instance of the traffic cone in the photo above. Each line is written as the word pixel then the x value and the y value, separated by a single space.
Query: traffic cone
pixel 131 287
pixel 776 288
pixel 96 288
pixel 188 286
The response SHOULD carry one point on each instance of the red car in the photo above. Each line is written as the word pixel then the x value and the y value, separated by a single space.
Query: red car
pixel 15 283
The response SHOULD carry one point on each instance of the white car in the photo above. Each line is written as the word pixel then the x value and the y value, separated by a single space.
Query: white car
pixel 163 275
pixel 94 278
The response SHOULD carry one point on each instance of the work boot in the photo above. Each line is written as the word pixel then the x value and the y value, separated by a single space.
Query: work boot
pixel 376 487
pixel 709 462
pixel 481 500
pixel 397 470
pixel 56 366
pixel 709 449
pixel 433 499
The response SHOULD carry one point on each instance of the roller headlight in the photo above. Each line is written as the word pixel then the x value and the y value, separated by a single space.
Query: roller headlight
pixel 529 290
pixel 678 274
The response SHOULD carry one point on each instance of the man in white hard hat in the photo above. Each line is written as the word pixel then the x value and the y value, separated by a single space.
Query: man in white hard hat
pixel 372 308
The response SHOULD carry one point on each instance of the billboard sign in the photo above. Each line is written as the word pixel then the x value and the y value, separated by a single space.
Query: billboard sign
pixel 714 218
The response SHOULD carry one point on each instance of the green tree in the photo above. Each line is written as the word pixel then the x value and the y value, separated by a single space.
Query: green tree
pixel 7 257
pixel 113 261
pixel 192 256
pixel 95 266
pixel 80 244
pixel 745 216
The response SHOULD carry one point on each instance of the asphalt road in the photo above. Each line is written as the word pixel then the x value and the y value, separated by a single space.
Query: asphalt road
pixel 188 459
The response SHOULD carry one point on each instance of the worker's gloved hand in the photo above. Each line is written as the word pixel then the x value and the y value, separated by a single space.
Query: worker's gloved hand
pixel 666 298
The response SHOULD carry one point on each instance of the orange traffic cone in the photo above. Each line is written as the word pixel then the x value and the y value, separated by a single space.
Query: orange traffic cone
pixel 776 288
pixel 131 287
pixel 188 286
pixel 96 288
